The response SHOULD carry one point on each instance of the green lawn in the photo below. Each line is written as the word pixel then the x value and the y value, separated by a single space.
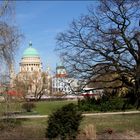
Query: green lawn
pixel 42 107
pixel 47 107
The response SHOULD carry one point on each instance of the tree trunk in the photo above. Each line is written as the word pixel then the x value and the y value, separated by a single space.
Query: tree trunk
pixel 137 86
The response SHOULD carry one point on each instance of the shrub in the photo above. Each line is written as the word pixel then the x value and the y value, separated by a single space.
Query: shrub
pixel 113 104
pixel 28 106
pixel 87 104
pixel 64 123
pixel 102 104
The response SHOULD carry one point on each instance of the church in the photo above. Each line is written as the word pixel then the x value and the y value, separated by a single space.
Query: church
pixel 32 81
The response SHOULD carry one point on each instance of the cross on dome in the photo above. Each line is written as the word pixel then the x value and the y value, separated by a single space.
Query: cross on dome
pixel 30 44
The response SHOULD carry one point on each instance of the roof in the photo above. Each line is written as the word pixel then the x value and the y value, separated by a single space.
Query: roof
pixel 60 67
pixel 30 52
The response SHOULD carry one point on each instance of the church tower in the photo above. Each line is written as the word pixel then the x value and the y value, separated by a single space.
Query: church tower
pixel 61 71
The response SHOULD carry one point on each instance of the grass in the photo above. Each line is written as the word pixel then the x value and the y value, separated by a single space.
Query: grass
pixel 35 128
pixel 118 123
pixel 10 107
pixel 47 107
pixel 42 107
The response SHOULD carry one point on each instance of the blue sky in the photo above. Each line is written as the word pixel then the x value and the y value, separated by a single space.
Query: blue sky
pixel 41 21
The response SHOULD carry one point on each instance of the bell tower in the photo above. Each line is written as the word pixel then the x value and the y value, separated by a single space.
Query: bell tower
pixel 61 71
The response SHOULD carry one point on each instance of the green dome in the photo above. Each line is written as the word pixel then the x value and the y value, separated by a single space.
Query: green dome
pixel 30 52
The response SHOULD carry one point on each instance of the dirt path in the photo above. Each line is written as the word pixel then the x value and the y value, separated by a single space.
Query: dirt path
pixel 86 114
pixel 111 113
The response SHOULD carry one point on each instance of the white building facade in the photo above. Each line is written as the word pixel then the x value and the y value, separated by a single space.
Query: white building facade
pixel 61 83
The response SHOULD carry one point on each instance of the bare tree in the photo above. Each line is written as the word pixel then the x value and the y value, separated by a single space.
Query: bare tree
pixel 34 84
pixel 9 33
pixel 9 40
pixel 40 84
pixel 105 41
pixel 21 85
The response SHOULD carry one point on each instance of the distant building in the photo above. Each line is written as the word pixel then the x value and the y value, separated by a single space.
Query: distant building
pixel 61 83
pixel 34 80
pixel 92 92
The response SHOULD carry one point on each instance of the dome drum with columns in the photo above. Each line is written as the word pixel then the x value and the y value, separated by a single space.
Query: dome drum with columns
pixel 30 61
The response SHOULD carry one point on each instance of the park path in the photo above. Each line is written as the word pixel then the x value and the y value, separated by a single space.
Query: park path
pixel 86 114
